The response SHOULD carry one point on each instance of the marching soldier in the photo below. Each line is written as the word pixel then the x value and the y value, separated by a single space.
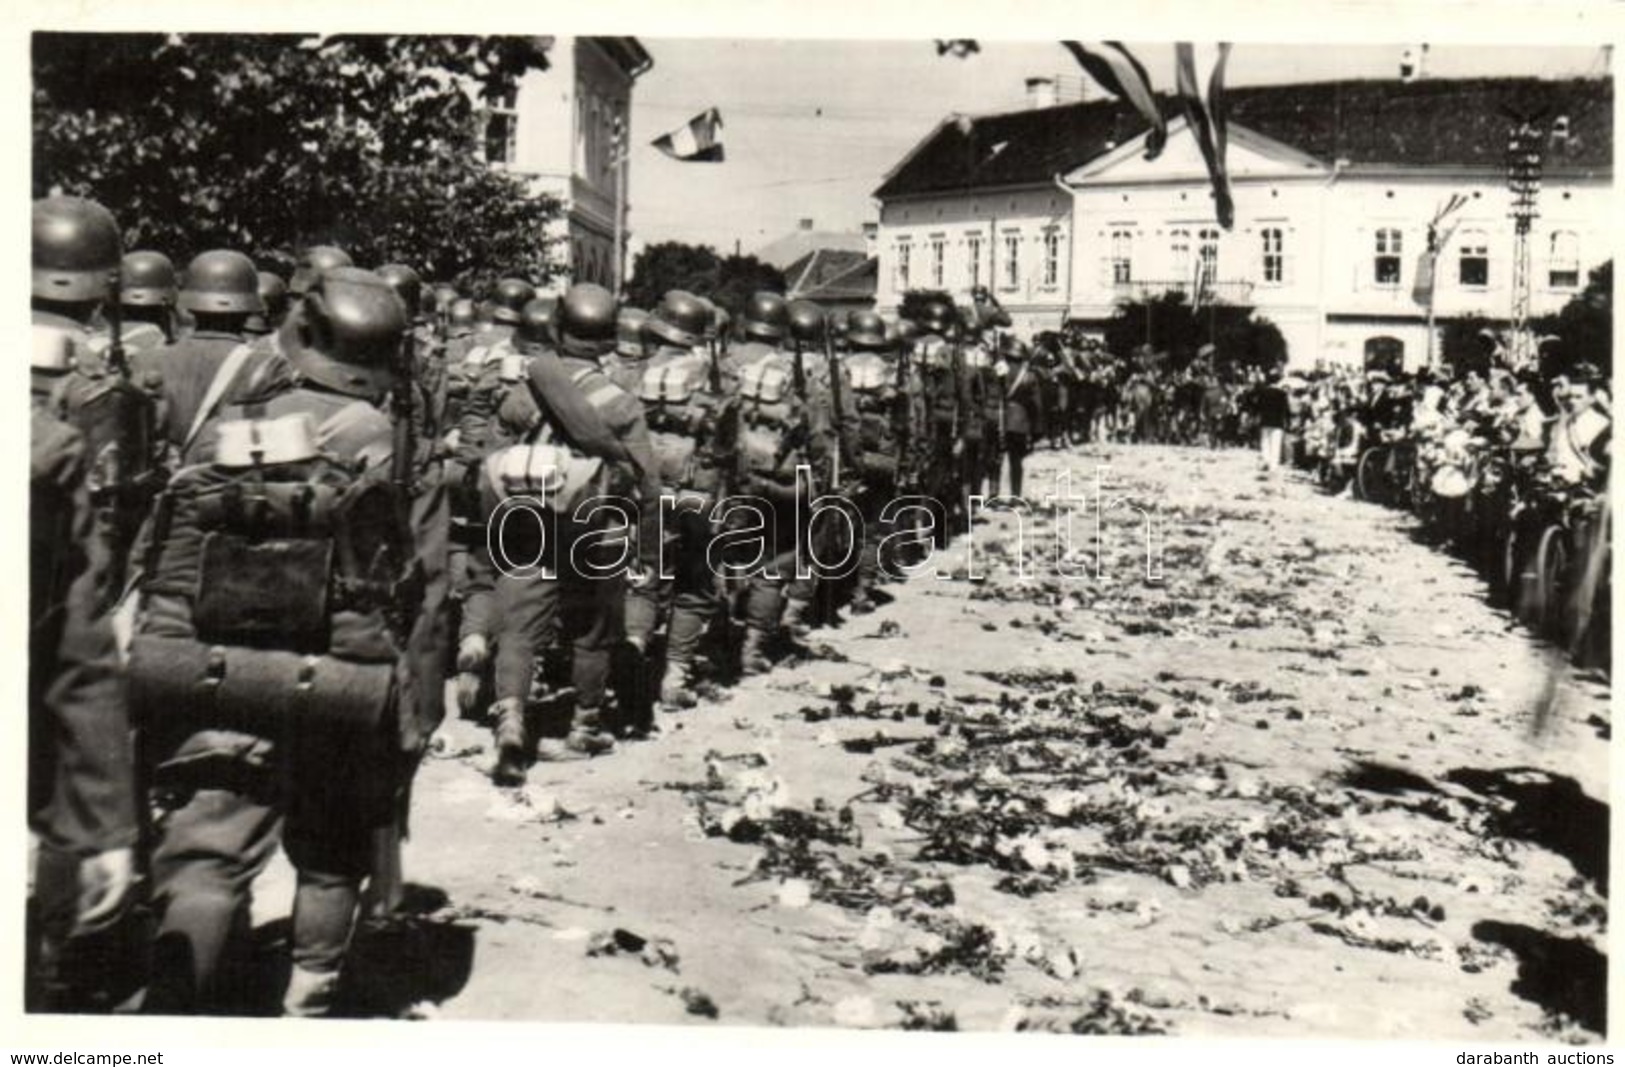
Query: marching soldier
pixel 770 386
pixel 691 427
pixel 274 295
pixel 146 299
pixel 269 667
pixel 81 795
pixel 76 257
pixel 218 361
pixel 1021 385
pixel 952 414
pixel 585 439
pixel 886 397
pixel 316 260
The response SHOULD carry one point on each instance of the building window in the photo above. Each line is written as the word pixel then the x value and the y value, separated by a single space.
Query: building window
pixel 580 155
pixel 1208 259
pixel 1012 260
pixel 973 249
pixel 1474 270
pixel 939 255
pixel 1179 254
pixel 502 128
pixel 1563 268
pixel 1386 265
pixel 1122 257
pixel 903 252
pixel 1274 256
pixel 1052 258
pixel 1386 354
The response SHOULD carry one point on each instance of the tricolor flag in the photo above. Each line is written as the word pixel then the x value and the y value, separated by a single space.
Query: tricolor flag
pixel 696 142
pixel 958 47
pixel 1116 70
pixel 1438 238
pixel 1200 76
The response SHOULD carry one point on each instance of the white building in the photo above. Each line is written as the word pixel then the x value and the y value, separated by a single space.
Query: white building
pixel 560 127
pixel 1334 183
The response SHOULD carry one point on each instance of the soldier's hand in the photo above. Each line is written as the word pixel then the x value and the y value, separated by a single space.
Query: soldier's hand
pixel 104 883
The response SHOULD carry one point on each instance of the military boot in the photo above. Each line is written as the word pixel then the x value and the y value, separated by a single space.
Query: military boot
pixel 588 735
pixel 472 655
pixel 310 994
pixel 510 741
pixel 753 654
pixel 798 615
pixel 677 688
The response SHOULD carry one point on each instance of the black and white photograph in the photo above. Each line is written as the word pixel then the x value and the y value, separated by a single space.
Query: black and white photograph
pixel 1017 534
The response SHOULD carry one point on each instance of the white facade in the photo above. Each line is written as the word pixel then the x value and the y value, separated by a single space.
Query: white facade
pixel 1330 254
pixel 1015 241
pixel 559 130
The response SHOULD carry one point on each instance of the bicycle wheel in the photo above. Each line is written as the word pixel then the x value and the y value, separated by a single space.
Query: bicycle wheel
pixel 1370 478
pixel 1551 582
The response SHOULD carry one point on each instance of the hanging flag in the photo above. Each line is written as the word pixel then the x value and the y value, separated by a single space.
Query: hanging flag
pixel 959 47
pixel 697 142
pixel 1427 261
pixel 1201 93
pixel 1116 70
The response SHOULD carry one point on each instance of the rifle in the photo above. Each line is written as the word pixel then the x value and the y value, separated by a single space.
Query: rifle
pixel 835 409
pixel 387 887
pixel 902 429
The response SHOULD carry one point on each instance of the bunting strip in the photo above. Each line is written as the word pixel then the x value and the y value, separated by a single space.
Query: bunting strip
pixel 1116 70
pixel 1201 94
pixel 696 142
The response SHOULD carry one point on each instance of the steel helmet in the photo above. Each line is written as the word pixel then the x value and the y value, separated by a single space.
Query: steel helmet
pixel 406 283
pixel 629 331
pixel 222 282
pixel 679 319
pixel 536 321
pixel 146 279
pixel 765 318
pixel 836 321
pixel 866 331
pixel 710 330
pixel 806 321
pixel 906 330
pixel 76 249
pixel 347 333
pixel 461 313
pixel 273 293
pixel 444 297
pixel 315 260
pixel 588 313
pixel 509 300
pixel 938 315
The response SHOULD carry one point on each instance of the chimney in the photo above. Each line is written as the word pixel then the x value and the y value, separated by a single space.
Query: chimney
pixel 805 224
pixel 1413 63
pixel 1041 92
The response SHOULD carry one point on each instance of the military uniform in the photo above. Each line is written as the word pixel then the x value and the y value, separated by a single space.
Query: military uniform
pixel 693 437
pixel 288 577
pixel 81 794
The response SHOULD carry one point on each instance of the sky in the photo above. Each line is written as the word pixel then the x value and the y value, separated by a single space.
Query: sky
pixel 811 127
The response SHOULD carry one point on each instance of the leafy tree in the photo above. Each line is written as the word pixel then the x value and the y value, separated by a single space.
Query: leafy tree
pixel 1584 328
pixel 727 282
pixel 915 300
pixel 268 143
pixel 1468 342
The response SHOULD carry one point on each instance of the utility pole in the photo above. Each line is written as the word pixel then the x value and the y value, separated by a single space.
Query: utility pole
pixel 1524 160
pixel 618 161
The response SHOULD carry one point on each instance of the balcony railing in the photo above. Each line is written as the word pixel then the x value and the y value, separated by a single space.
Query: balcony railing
pixel 1231 292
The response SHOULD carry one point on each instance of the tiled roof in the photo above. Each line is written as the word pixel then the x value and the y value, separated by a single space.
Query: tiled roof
pixel 796 245
pixel 833 276
pixel 1431 122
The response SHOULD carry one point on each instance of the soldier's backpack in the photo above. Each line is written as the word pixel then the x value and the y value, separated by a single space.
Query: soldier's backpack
pixel 278 587
pixel 681 417
pixel 479 384
pixel 771 441
pixel 874 394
